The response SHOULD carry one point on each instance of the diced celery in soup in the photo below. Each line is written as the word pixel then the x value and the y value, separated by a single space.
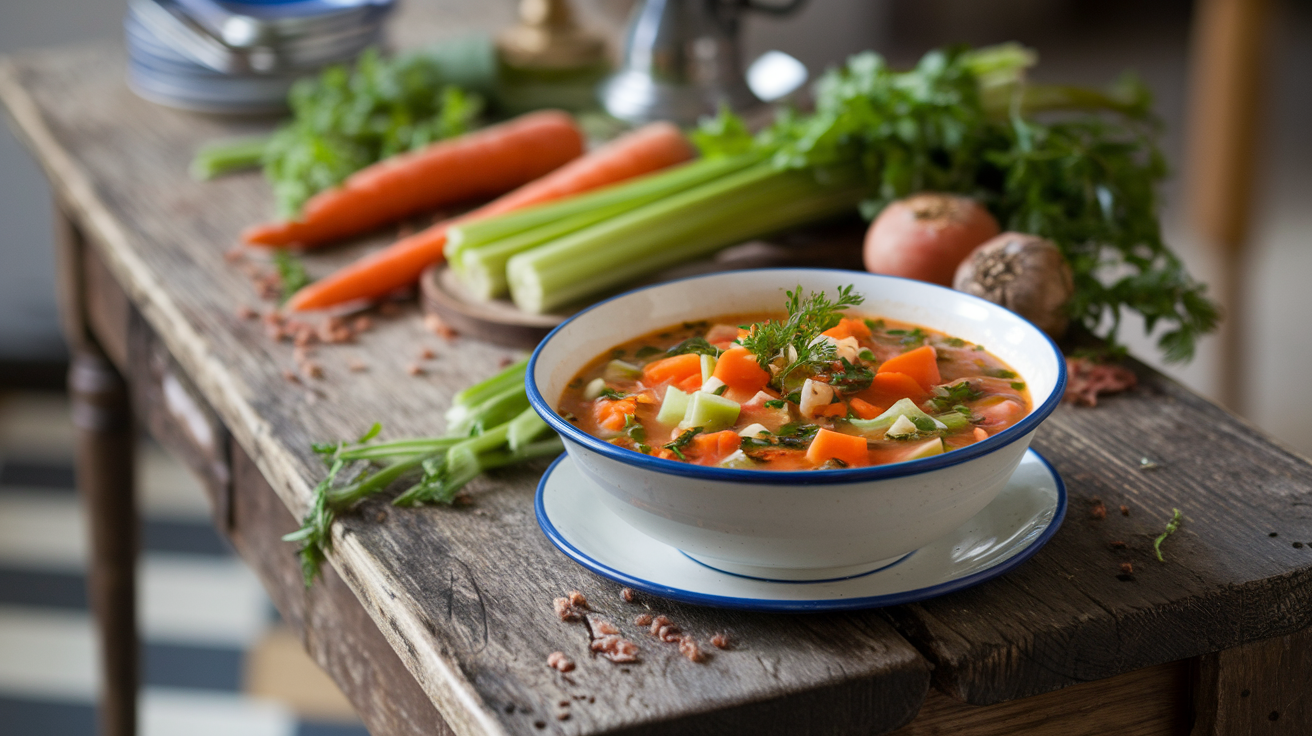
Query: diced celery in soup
pixel 817 387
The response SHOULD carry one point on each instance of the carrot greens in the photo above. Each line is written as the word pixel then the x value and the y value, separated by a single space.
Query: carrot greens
pixel 1177 519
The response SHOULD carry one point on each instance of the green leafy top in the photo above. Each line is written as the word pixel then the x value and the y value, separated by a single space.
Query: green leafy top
pixel 346 119
pixel 967 122
pixel 793 341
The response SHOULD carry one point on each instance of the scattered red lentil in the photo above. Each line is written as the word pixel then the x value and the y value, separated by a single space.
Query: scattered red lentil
pixel 355 365
pixel 565 611
pixel 643 619
pixel 558 661
pixel 362 324
pixel 1118 544
pixel 627 595
pixel 689 649
pixel 427 354
pixel 414 369
pixel 720 640
pixel 1127 568
pixel 245 312
pixel 1125 510
pixel 577 600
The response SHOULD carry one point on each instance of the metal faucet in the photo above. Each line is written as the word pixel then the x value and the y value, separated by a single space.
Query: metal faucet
pixel 682 60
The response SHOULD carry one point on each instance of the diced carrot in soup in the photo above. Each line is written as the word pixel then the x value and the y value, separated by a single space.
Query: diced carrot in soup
pixel 672 370
pixel 887 388
pixel 836 409
pixel 864 409
pixel 848 327
pixel 610 414
pixel 921 364
pixel 738 368
pixel 710 449
pixel 829 445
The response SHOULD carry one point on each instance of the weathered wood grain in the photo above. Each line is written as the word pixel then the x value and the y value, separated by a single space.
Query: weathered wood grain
pixel 462 595
pixel 1258 689
pixel 1153 701
pixel 1232 574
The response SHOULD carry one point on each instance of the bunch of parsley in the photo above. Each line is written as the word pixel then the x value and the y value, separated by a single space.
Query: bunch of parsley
pixel 1080 167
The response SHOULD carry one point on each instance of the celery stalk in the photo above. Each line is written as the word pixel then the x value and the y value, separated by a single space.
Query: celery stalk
pixel 693 223
pixel 635 192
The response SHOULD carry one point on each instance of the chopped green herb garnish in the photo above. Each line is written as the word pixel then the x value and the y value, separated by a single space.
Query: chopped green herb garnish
pixel 611 394
pixel 617 353
pixel 852 378
pixel 954 342
pixel 793 341
pixel 1018 385
pixel 696 345
pixel 646 351
pixel 719 390
pixel 576 383
pixel 979 347
pixel 1171 526
pixel 775 404
pixel 875 325
pixel 634 429
pixel 676 446
pixel 946 397
pixel 796 434
pixel 866 355
pixel 1000 373
pixel 915 337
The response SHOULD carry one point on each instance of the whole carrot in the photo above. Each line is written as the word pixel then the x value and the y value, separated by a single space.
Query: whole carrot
pixel 477 165
pixel 645 150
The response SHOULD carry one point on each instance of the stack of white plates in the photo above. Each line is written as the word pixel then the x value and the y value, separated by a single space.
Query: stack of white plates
pixel 241 57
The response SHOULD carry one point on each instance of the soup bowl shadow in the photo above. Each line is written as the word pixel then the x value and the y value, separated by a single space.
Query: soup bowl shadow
pixel 795 525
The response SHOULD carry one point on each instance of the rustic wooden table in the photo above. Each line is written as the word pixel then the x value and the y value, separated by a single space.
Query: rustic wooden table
pixel 439 620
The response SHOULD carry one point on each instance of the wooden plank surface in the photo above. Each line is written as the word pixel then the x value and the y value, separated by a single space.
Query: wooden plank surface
pixel 462 595
pixel 1239 570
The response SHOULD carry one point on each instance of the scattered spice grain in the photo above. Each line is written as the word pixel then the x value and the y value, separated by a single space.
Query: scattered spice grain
pixel 414 369
pixel 720 640
pixel 1118 544
pixel 627 595
pixel 1127 568
pixel 427 354
pixel 1125 510
pixel 559 662
pixel 577 600
pixel 565 611
pixel 1098 512
pixel 689 649
pixel 642 619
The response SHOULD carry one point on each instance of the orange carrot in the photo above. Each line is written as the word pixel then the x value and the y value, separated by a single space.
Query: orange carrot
pixel 643 151
pixel 610 414
pixel 848 327
pixel 921 364
pixel 887 387
pixel 478 165
pixel 829 445
pixel 715 446
pixel 672 370
pixel 738 368
pixel 836 409
pixel 691 383
pixel 864 409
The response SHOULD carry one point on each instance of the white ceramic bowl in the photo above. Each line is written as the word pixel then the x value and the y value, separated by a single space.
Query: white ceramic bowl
pixel 799 525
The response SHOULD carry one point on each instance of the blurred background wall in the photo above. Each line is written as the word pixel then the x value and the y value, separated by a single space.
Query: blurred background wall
pixel 1088 41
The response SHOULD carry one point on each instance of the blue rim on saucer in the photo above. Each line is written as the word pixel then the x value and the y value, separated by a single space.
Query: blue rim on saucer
pixel 756 594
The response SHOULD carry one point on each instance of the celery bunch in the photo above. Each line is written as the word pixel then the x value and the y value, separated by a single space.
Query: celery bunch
pixel 489 426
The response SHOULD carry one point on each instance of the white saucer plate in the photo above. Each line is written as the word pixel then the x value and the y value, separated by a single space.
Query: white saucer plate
pixel 1025 514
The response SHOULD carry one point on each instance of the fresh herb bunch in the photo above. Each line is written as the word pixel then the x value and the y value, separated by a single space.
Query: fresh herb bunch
pixel 291 273
pixel 487 430
pixel 793 342
pixel 347 119
pixel 967 122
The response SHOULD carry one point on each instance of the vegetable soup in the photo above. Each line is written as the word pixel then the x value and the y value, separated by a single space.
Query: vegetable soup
pixel 811 388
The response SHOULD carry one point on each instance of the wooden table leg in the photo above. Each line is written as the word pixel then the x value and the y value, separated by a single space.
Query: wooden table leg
pixel 1260 688
pixel 105 446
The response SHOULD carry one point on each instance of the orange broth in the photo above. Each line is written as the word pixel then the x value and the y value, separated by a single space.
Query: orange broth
pixel 968 393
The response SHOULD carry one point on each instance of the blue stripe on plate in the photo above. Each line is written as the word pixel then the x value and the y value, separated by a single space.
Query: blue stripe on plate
pixel 64 718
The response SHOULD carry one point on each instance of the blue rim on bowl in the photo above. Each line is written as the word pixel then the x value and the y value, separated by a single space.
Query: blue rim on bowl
pixel 775 477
